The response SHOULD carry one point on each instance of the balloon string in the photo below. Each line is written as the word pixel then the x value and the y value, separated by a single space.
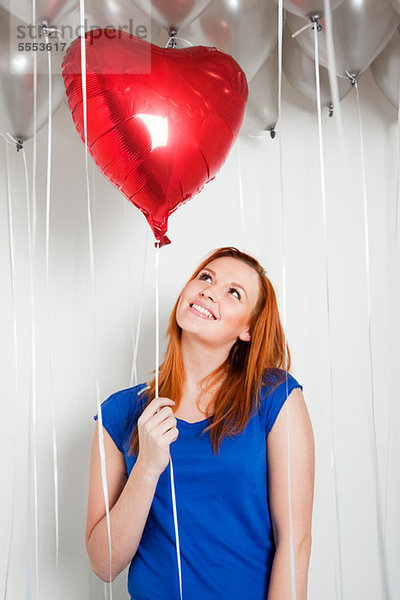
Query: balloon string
pixel 241 192
pixel 397 212
pixel 32 247
pixel 178 554
pixel 16 365
pixel 34 154
pixel 50 353
pixel 280 46
pixel 325 221
pixel 292 559
pixel 380 518
pixel 280 39
pixel 32 413
pixel 93 291
pixel 134 376
pixel 393 291
pixel 157 256
pixel 333 81
pixel 304 28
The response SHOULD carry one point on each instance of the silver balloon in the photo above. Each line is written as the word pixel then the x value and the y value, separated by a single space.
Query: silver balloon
pixel 361 29
pixel 245 29
pixel 305 8
pixel 396 5
pixel 386 70
pixel 115 14
pixel 16 83
pixel 173 13
pixel 46 10
pixel 262 111
pixel 299 69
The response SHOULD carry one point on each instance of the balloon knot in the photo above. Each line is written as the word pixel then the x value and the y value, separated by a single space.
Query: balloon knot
pixel 315 19
pixel 163 241
pixel 172 31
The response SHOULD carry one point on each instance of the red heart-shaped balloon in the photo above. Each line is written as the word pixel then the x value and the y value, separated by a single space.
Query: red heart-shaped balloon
pixel 160 121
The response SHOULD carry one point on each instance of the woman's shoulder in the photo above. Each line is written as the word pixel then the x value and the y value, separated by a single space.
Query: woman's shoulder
pixel 276 387
pixel 120 411
pixel 125 402
pixel 274 378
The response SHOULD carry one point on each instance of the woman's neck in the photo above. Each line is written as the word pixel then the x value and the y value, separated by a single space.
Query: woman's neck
pixel 199 360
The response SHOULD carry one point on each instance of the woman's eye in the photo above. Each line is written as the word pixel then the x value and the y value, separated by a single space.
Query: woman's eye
pixel 235 290
pixel 205 275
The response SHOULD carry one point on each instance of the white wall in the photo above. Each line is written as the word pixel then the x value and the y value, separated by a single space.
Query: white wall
pixel 210 220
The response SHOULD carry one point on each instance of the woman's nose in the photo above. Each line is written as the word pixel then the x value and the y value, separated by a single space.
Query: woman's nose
pixel 209 294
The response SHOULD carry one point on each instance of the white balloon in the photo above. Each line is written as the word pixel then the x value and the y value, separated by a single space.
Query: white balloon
pixel 299 70
pixel 396 5
pixel 16 83
pixel 305 8
pixel 262 110
pixel 46 10
pixel 173 13
pixel 386 70
pixel 245 29
pixel 115 14
pixel 360 28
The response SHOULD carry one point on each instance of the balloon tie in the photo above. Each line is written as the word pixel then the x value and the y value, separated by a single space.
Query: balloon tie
pixel 49 346
pixel 134 377
pixel 17 412
pixel 172 31
pixel 380 518
pixel 353 78
pixel 92 271
pixel 10 139
pixel 178 553
pixel 46 30
pixel 326 269
pixel 315 23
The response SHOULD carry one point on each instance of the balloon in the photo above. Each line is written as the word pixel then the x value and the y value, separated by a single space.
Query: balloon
pixel 116 14
pixel 46 10
pixel 299 70
pixel 361 29
pixel 245 29
pixel 305 8
pixel 386 70
pixel 160 122
pixel 262 107
pixel 396 5
pixel 172 13
pixel 16 83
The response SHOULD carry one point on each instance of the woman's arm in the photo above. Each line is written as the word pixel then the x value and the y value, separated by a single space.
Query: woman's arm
pixel 129 499
pixel 129 503
pixel 302 469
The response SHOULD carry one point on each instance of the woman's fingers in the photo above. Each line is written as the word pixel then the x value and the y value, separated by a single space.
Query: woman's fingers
pixel 154 408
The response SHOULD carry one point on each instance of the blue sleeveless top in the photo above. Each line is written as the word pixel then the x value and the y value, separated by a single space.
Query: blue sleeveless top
pixel 225 532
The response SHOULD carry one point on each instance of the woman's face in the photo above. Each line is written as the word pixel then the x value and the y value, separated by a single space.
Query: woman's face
pixel 227 288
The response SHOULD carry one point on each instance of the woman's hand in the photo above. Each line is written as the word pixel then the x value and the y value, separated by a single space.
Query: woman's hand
pixel 156 430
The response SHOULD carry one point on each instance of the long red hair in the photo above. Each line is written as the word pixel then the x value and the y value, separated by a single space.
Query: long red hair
pixel 239 378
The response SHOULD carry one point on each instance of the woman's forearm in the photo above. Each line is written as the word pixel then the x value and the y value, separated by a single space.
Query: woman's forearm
pixel 128 517
pixel 280 587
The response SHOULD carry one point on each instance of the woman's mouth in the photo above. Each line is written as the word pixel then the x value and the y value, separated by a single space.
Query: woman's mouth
pixel 201 312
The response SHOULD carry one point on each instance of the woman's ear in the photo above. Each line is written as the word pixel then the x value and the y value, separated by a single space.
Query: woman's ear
pixel 245 336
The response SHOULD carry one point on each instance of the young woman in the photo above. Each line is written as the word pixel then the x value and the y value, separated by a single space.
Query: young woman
pixel 227 408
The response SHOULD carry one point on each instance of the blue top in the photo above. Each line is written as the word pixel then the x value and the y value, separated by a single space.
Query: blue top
pixel 225 533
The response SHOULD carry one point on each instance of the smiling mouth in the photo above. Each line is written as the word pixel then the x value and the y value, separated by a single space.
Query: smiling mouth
pixel 202 312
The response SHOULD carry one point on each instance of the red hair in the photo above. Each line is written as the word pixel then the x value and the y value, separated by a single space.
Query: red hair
pixel 248 365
